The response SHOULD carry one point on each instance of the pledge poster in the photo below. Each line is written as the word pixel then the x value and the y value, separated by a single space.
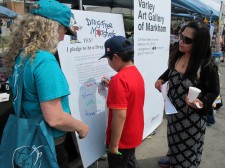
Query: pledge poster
pixel 79 61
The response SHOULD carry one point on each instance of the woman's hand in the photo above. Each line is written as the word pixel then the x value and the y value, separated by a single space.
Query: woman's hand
pixel 83 131
pixel 196 104
pixel 158 84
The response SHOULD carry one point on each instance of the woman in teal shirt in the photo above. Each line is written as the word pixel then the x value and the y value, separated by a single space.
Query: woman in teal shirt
pixel 45 87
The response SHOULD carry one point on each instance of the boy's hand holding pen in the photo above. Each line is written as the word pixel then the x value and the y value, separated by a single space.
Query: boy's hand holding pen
pixel 105 81
pixel 117 153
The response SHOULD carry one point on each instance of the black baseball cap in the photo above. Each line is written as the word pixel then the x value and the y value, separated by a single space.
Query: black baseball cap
pixel 116 44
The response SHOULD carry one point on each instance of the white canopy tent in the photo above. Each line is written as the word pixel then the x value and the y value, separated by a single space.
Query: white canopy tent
pixel 213 4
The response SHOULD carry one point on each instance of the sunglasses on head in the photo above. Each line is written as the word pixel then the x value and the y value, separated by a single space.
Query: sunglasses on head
pixel 186 40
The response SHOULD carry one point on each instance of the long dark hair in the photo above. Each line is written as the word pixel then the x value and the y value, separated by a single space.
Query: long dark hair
pixel 201 55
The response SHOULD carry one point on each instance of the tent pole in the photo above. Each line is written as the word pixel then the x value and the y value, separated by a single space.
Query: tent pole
pixel 80 5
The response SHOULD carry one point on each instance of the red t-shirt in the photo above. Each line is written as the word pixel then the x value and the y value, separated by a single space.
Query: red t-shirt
pixel 126 91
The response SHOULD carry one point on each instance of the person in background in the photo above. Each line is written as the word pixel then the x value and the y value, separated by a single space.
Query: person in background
pixel 223 44
pixel 125 102
pixel 176 32
pixel 10 24
pixel 191 65
pixel 1 23
pixel 45 87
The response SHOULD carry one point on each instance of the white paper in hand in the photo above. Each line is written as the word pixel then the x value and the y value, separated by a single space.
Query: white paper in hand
pixel 169 107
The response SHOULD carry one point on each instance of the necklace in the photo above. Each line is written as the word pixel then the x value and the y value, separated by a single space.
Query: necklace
pixel 184 62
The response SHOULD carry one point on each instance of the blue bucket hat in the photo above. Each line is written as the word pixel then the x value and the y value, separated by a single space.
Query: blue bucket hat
pixel 116 44
pixel 56 11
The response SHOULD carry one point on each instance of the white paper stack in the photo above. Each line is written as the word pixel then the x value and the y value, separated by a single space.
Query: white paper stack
pixel 4 97
pixel 169 107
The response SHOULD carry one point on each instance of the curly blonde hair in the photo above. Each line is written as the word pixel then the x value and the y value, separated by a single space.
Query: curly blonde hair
pixel 30 34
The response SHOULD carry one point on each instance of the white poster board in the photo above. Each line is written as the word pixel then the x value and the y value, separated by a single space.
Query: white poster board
pixel 79 61
pixel 151 45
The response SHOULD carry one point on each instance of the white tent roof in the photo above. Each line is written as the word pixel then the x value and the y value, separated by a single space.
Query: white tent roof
pixel 212 3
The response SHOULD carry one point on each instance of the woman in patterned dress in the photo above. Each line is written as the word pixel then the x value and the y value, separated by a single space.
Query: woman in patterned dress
pixel 190 65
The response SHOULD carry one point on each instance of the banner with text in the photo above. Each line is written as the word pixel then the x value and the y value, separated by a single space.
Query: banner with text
pixel 151 45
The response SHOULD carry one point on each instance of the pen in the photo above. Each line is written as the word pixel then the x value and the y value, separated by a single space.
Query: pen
pixel 118 153
pixel 107 78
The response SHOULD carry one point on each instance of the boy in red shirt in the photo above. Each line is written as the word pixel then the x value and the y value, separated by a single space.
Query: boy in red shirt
pixel 125 102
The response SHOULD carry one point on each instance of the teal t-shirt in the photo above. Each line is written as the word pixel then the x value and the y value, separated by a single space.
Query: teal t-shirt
pixel 43 81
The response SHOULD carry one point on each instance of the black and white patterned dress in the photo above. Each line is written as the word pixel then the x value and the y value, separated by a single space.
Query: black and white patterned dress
pixel 185 129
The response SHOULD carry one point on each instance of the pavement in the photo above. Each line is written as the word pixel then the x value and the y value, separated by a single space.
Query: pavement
pixel 155 146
